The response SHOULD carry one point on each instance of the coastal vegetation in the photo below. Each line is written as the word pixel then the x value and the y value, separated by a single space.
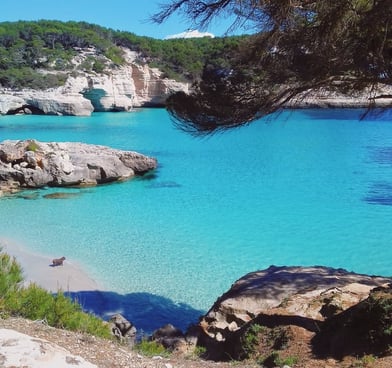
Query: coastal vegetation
pixel 38 54
pixel 35 303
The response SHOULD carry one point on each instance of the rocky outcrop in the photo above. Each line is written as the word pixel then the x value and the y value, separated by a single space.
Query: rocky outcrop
pixel 10 103
pixel 60 104
pixel 124 330
pixel 33 164
pixel 170 337
pixel 116 88
pixel 20 350
pixel 281 296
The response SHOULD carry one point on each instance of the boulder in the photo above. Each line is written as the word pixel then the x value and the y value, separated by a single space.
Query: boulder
pixel 33 164
pixel 123 329
pixel 20 350
pixel 60 104
pixel 170 337
pixel 281 296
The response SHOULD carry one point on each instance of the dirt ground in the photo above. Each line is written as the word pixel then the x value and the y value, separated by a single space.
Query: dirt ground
pixel 109 354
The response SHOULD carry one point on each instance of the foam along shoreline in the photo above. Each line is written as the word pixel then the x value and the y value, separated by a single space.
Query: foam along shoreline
pixel 37 269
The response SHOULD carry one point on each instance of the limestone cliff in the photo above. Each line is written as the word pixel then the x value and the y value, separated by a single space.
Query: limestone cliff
pixel 115 88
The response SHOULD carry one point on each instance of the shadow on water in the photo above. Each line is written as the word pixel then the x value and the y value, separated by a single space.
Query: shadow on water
pixel 146 311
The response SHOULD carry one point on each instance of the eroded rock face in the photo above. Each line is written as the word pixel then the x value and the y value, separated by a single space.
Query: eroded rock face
pixel 59 104
pixel 117 88
pixel 10 103
pixel 33 164
pixel 300 296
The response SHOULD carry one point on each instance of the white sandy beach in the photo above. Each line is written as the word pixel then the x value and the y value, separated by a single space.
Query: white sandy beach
pixel 37 268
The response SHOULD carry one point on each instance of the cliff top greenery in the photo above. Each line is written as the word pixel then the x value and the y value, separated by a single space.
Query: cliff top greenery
pixel 27 47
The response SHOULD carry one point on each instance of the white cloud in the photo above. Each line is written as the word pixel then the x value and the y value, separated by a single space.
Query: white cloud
pixel 190 33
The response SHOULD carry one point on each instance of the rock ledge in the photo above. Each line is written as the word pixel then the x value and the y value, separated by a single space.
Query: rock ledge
pixel 34 164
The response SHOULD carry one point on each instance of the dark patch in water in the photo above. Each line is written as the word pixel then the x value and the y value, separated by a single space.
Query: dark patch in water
pixel 380 193
pixel 381 155
pixel 28 196
pixel 148 176
pixel 164 184
pixel 61 195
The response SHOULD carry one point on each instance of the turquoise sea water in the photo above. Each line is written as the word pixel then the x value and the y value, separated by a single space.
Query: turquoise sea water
pixel 311 187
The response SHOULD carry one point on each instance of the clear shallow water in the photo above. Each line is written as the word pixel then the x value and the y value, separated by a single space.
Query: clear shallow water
pixel 309 187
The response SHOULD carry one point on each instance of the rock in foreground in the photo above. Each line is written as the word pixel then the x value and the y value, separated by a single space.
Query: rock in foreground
pixel 33 164
pixel 283 302
pixel 20 350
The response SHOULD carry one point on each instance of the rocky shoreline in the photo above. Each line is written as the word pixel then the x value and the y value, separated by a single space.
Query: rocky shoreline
pixel 83 95
pixel 282 316
pixel 135 84
pixel 28 164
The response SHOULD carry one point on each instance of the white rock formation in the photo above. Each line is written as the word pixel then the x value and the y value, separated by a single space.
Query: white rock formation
pixel 9 102
pixel 20 350
pixel 118 88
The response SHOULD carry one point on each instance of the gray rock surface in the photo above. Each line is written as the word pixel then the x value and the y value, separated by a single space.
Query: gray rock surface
pixel 20 350
pixel 124 330
pixel 9 102
pixel 33 164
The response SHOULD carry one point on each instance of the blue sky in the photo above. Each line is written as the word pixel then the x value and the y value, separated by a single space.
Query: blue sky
pixel 126 15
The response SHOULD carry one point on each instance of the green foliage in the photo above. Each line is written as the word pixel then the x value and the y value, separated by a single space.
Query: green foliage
pixel 27 46
pixel 115 54
pixel 98 66
pixel 32 146
pixel 35 303
pixel 151 348
pixel 199 351
pixel 10 276
pixel 275 360
pixel 26 77
pixel 366 361
pixel 250 339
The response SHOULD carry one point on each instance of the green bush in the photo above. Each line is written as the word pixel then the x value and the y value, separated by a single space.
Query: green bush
pixel 11 275
pixel 32 146
pixel 35 303
pixel 151 348
pixel 275 360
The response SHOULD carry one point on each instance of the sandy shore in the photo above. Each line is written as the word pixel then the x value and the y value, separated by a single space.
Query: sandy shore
pixel 37 268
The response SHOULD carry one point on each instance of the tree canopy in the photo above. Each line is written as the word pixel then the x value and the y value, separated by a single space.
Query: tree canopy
pixel 29 47
pixel 298 45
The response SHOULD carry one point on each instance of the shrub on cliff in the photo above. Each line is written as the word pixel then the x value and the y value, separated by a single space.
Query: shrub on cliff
pixel 35 303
